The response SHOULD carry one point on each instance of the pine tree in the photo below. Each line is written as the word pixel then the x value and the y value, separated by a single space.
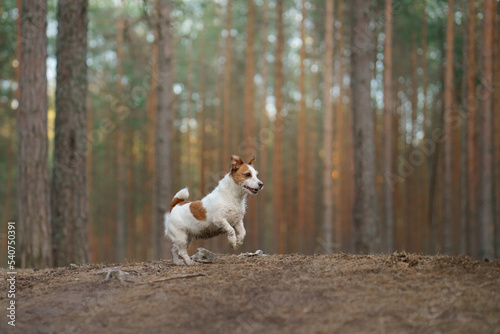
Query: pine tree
pixel 69 187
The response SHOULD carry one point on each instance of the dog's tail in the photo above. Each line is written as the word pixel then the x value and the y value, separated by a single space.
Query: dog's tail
pixel 181 196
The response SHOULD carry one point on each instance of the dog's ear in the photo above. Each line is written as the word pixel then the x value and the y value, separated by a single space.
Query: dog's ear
pixel 236 162
pixel 251 161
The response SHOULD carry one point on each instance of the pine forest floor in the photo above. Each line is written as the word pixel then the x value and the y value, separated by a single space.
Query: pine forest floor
pixel 388 293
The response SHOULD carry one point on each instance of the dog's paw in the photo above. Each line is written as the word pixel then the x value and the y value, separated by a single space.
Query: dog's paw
pixel 191 263
pixel 179 263
pixel 232 241
pixel 239 242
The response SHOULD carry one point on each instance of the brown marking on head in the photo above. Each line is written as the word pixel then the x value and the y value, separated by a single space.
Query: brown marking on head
pixel 177 201
pixel 198 211
pixel 240 175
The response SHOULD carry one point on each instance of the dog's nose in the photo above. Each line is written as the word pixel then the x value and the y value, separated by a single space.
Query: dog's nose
pixel 261 184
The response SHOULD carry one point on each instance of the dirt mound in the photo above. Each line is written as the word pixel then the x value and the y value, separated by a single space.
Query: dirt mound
pixel 389 293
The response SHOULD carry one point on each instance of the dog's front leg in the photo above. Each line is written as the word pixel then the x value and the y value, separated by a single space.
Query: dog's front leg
pixel 231 234
pixel 240 233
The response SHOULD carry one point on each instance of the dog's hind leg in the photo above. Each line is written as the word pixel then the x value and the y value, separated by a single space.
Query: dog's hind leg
pixel 184 255
pixel 182 247
pixel 175 256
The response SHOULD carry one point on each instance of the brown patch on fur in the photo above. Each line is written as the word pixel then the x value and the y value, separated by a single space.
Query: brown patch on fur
pixel 239 174
pixel 198 211
pixel 177 201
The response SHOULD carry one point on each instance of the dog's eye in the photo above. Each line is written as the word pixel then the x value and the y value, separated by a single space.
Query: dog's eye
pixel 248 174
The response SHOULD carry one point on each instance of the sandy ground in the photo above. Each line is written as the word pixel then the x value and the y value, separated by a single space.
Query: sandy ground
pixel 396 293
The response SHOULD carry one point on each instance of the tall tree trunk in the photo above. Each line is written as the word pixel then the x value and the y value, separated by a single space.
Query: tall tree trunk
pixel 187 170
pixel 93 227
pixel 463 148
pixel 328 130
pixel 264 120
pixel 150 188
pixel 278 134
pixel 345 125
pixel 414 236
pixel 120 146
pixel 131 195
pixel 388 139
pixel 496 131
pixel 365 211
pixel 486 209
pixel 472 178
pixel 249 93
pixel 69 181
pixel 301 140
pixel 227 88
pixel 202 135
pixel 425 166
pixel 33 198
pixel 163 126
pixel 249 132
pixel 448 114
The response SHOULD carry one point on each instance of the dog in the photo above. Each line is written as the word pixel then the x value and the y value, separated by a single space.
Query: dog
pixel 220 212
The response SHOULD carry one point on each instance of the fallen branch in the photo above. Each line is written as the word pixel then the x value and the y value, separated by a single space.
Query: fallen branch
pixel 169 279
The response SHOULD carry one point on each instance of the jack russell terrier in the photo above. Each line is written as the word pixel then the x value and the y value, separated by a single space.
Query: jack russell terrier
pixel 220 212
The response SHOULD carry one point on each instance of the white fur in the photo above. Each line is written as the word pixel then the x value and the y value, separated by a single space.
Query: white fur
pixel 225 207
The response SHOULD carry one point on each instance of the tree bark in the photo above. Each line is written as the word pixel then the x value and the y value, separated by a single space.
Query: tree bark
pixel 163 126
pixel 227 89
pixel 365 210
pixel 264 119
pixel 33 198
pixel 69 181
pixel 472 179
pixel 328 130
pixel 463 148
pixel 388 139
pixel 149 185
pixel 278 134
pixel 301 140
pixel 496 131
pixel 425 166
pixel 249 132
pixel 448 114
pixel 411 181
pixel 486 191
pixel 121 219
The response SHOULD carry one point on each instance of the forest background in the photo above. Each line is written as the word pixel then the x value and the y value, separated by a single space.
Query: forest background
pixel 376 125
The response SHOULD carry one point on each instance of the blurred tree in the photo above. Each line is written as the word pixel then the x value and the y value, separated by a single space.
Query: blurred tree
pixel 121 114
pixel 69 180
pixel 227 88
pixel 448 115
pixel 249 127
pixel 163 182
pixel 327 129
pixel 264 119
pixel 301 140
pixel 33 193
pixel 388 127
pixel 486 156
pixel 365 211
pixel 278 209
pixel 471 133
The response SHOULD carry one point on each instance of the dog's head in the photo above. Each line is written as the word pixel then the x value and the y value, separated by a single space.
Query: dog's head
pixel 245 175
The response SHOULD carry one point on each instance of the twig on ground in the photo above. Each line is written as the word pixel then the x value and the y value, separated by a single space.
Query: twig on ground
pixel 170 278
